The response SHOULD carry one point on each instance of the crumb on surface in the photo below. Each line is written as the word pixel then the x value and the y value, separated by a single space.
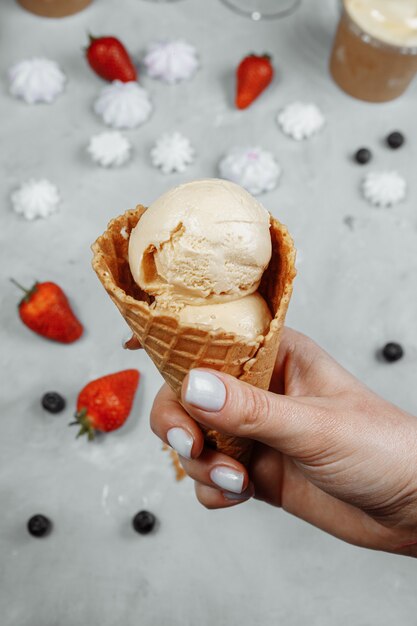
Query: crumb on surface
pixel 179 470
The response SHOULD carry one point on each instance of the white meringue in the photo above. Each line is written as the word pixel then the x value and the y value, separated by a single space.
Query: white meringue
pixel 171 61
pixel 36 198
pixel 300 120
pixel 384 188
pixel 36 80
pixel 123 105
pixel 172 153
pixel 109 149
pixel 254 169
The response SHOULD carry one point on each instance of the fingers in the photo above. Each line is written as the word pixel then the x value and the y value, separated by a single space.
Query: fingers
pixel 170 422
pixel 132 343
pixel 235 408
pixel 212 498
pixel 215 469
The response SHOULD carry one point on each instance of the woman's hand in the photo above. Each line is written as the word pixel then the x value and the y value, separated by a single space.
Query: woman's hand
pixel 327 449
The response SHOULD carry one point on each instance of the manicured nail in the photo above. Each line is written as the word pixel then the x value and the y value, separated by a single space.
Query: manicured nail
pixel 227 478
pixel 238 497
pixel 181 441
pixel 205 391
pixel 130 342
pixel 125 341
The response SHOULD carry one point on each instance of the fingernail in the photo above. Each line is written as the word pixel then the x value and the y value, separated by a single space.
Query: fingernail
pixel 181 441
pixel 227 478
pixel 126 341
pixel 238 497
pixel 205 391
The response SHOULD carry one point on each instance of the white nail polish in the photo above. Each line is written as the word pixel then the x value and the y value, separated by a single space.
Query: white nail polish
pixel 181 441
pixel 237 497
pixel 227 478
pixel 205 391
pixel 126 340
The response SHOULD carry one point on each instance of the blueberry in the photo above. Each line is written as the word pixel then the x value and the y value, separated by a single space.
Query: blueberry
pixel 395 140
pixel 392 352
pixel 53 402
pixel 363 155
pixel 143 522
pixel 39 525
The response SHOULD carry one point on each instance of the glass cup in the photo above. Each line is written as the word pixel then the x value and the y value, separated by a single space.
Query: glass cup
pixel 54 8
pixel 262 9
pixel 376 63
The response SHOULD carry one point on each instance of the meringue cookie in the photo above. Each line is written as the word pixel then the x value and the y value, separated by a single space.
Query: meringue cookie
pixel 300 120
pixel 172 153
pixel 36 80
pixel 36 198
pixel 109 149
pixel 384 189
pixel 254 169
pixel 171 61
pixel 123 105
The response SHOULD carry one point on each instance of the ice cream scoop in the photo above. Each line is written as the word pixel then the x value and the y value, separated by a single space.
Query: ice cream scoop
pixel 248 317
pixel 200 243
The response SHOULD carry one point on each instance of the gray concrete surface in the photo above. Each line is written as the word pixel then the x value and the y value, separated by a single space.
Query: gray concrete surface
pixel 356 290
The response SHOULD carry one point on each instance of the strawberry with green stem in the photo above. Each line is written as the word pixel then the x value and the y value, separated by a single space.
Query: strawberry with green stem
pixel 104 404
pixel 46 311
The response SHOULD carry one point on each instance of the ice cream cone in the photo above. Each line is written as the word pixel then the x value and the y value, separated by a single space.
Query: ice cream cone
pixel 176 348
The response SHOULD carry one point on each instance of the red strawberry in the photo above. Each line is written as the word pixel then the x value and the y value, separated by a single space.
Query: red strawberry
pixel 253 76
pixel 109 59
pixel 104 404
pixel 45 310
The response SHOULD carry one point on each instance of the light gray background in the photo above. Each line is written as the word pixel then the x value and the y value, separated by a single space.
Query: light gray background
pixel 356 290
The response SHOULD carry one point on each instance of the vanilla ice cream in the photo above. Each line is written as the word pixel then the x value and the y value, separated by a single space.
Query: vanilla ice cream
pixel 203 242
pixel 391 21
pixel 248 316
pixel 200 250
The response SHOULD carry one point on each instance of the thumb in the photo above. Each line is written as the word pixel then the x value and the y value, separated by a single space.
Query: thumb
pixel 232 407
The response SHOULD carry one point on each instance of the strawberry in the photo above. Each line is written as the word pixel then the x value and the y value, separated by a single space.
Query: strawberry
pixel 253 76
pixel 45 310
pixel 109 59
pixel 104 404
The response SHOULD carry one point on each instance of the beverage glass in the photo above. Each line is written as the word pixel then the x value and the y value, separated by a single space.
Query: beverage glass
pixel 54 8
pixel 262 9
pixel 374 56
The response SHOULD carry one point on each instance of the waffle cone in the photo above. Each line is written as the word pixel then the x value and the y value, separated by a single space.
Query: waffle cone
pixel 176 348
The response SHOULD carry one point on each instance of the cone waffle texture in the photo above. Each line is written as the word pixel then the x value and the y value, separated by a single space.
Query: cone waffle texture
pixel 177 348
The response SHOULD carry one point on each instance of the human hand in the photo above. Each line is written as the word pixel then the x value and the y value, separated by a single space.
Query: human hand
pixel 327 449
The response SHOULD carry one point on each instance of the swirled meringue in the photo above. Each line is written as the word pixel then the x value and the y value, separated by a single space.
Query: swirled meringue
pixel 36 198
pixel 172 153
pixel 300 120
pixel 36 80
pixel 109 149
pixel 123 105
pixel 384 188
pixel 254 169
pixel 171 61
